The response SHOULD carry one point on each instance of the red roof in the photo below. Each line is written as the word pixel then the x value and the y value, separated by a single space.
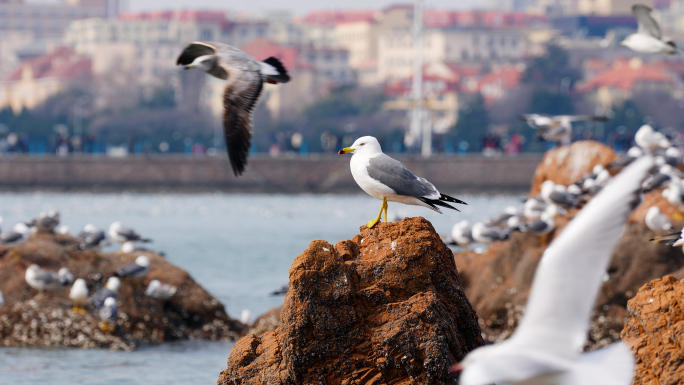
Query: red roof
pixel 263 48
pixel 184 15
pixel 493 85
pixel 625 74
pixel 332 18
pixel 62 63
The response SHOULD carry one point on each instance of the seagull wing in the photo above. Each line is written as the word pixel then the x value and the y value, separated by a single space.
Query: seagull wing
pixel 239 101
pixel 646 22
pixel 10 237
pixel 130 235
pixel 393 174
pixel 130 269
pixel 570 273
pixel 100 296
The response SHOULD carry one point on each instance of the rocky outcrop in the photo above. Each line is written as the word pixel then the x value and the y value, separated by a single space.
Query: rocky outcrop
pixel 32 318
pixel 654 333
pixel 566 164
pixel 266 322
pixel 497 282
pixel 384 307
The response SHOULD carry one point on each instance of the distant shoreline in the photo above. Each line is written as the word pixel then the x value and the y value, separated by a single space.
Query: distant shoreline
pixel 315 174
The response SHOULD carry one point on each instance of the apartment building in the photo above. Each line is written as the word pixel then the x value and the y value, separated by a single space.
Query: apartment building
pixel 50 20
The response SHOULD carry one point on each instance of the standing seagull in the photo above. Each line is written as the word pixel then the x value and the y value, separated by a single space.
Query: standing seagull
pixel 245 80
pixel 79 295
pixel 388 179
pixel 110 290
pixel 123 235
pixel 547 345
pixel 41 279
pixel 648 38
pixel 136 269
pixel 161 291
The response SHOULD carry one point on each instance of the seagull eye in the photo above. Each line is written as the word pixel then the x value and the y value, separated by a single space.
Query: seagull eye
pixel 362 144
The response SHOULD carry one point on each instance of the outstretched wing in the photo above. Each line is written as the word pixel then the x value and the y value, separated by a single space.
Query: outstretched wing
pixel 646 22
pixel 239 101
pixel 570 273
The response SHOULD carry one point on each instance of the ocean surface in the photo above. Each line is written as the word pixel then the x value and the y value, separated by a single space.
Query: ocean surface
pixel 239 247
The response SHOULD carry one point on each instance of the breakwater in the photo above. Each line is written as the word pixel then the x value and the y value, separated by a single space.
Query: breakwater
pixel 313 174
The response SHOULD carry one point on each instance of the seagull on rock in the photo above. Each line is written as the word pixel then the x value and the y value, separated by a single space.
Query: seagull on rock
pixel 389 180
pixel 92 238
pixel 110 290
pixel 489 234
pixel 136 269
pixel 546 347
pixel 79 295
pixel 648 38
pixel 19 234
pixel 46 222
pixel 123 235
pixel 657 221
pixel 160 291
pixel 245 78
pixel 462 234
pixel 649 139
pixel 42 280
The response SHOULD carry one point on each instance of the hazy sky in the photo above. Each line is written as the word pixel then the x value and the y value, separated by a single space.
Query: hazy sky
pixel 298 7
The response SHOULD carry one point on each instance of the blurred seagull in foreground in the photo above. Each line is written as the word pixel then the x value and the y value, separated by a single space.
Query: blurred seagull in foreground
pixel 136 269
pixel 245 81
pixel 389 180
pixel 657 221
pixel 648 38
pixel 110 290
pixel 546 347
pixel 123 235
pixel 161 291
pixel 79 295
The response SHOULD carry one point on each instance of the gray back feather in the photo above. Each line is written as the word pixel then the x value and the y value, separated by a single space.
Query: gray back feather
pixel 396 176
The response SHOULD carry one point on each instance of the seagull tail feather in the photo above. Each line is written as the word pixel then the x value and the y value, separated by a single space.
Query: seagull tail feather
pixel 447 198
pixel 435 202
pixel 282 76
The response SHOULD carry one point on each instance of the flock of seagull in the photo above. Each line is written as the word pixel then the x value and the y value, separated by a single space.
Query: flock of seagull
pixel 90 238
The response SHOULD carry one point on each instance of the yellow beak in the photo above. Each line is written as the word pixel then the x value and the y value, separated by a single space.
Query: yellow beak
pixel 345 150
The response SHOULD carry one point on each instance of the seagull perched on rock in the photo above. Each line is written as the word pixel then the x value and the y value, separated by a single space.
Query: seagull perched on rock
pixel 92 238
pixel 501 219
pixel 389 180
pixel 552 193
pixel 648 38
pixel 123 235
pixel 657 221
pixel 42 280
pixel 632 154
pixel 136 269
pixel 556 128
pixel 161 291
pixel 110 290
pixel 19 234
pixel 649 139
pixel 462 234
pixel 245 78
pixel 79 295
pixel 546 347
pixel 664 174
pixel 46 222
pixel 489 234
pixel 109 313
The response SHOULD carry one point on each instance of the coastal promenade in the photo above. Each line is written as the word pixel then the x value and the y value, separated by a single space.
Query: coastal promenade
pixel 313 174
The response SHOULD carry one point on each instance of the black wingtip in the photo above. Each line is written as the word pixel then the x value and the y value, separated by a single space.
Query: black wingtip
pixel 282 76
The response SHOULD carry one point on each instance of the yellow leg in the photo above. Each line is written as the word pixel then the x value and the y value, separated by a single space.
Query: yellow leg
pixel 373 222
pixel 78 309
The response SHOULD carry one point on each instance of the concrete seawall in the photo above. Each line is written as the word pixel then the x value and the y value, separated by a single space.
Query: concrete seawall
pixel 314 174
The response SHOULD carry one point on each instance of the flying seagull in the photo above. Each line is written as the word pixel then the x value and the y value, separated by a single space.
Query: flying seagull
pixel 388 179
pixel 648 38
pixel 556 128
pixel 245 78
pixel 547 345
pixel 136 269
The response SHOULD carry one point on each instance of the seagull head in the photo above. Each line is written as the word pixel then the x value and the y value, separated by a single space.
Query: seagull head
pixel 21 228
pixel 32 270
pixel 364 145
pixel 113 284
pixel 115 226
pixel 203 63
pixel 110 302
pixel 142 261
pixel 154 284
pixel 89 228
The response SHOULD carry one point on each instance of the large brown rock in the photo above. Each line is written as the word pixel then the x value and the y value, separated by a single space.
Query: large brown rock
pixel 655 333
pixel 567 164
pixel 498 281
pixel 384 307
pixel 32 318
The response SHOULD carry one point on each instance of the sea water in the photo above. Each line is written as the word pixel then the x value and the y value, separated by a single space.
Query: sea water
pixel 239 247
